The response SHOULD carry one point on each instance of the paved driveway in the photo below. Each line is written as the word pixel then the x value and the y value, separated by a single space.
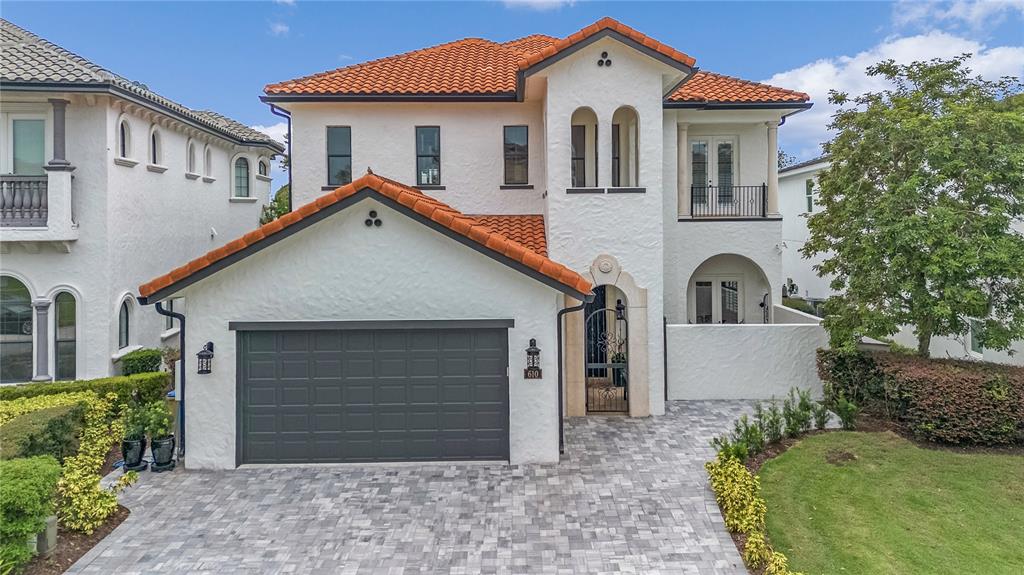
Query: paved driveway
pixel 629 496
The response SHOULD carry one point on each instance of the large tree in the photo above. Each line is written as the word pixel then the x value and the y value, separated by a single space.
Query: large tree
pixel 925 186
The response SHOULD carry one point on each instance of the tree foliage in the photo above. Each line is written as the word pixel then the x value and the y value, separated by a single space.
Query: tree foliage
pixel 785 159
pixel 925 185
pixel 277 206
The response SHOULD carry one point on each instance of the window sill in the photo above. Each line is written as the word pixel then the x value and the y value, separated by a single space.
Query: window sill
pixel 263 178
pixel 191 176
pixel 168 334
pixel 117 355
pixel 584 190
pixel 627 190
pixel 430 187
pixel 516 187
pixel 243 200
pixel 125 162
pixel 209 180
pixel 330 188
pixel 156 168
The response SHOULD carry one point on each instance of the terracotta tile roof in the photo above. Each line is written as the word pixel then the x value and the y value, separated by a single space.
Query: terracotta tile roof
pixel 711 87
pixel 525 229
pixel 468 226
pixel 607 24
pixel 531 44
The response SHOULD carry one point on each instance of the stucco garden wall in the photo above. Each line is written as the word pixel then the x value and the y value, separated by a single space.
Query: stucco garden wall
pixel 339 269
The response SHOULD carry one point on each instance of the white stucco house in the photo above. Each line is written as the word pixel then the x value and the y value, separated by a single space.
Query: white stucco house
pixel 104 184
pixel 488 237
pixel 798 189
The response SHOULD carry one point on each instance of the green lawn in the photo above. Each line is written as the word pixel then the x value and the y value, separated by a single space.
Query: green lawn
pixel 895 509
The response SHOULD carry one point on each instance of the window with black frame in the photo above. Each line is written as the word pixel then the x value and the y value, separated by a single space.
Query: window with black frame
pixel 579 156
pixel 516 147
pixel 428 156
pixel 339 155
pixel 123 319
pixel 64 339
pixel 15 331
pixel 616 177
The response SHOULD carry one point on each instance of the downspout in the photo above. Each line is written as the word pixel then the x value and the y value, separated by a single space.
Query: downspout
pixel 181 351
pixel 561 398
pixel 277 111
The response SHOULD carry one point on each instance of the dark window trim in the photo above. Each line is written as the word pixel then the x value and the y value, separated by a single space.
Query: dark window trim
pixel 125 309
pixel 616 157
pixel 573 159
pixel 418 156
pixel 429 188
pixel 712 220
pixel 627 190
pixel 349 325
pixel 584 190
pixel 505 156
pixel 328 155
pixel 516 187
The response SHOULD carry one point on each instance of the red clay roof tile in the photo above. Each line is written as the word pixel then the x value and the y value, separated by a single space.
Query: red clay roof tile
pixel 528 230
pixel 710 87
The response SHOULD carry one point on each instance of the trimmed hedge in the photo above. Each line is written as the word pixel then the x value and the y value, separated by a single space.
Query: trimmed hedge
pixel 27 490
pixel 941 400
pixel 50 431
pixel 150 387
pixel 142 360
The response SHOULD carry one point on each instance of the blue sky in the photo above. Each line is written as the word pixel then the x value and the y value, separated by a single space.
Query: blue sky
pixel 219 55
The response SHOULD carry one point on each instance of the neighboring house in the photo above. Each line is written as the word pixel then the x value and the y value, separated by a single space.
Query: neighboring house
pixel 798 189
pixel 511 181
pixel 104 184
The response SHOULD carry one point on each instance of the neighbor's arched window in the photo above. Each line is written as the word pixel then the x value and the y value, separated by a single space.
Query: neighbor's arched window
pixel 262 168
pixel 190 157
pixel 241 178
pixel 15 331
pixel 64 336
pixel 124 325
pixel 124 139
pixel 208 162
pixel 154 146
pixel 625 147
pixel 583 146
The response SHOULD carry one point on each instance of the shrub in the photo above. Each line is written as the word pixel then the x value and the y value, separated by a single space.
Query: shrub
pixel 821 415
pixel 159 421
pixel 846 411
pixel 50 431
pixel 942 400
pixel 26 499
pixel 147 386
pixel 18 407
pixel 726 447
pixel 770 421
pixel 143 360
pixel 135 420
pixel 799 305
pixel 797 412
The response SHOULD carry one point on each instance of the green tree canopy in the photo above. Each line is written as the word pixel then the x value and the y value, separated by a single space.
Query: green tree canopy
pixel 925 185
pixel 277 206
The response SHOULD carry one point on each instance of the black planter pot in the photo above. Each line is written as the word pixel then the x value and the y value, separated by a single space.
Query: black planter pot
pixel 163 454
pixel 132 451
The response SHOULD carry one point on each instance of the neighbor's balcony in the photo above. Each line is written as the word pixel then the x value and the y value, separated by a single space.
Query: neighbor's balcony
pixel 37 208
pixel 23 201
pixel 729 202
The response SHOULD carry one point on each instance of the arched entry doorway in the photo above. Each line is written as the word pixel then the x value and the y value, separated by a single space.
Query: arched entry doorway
pixel 606 351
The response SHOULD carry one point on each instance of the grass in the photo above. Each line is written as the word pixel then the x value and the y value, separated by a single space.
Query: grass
pixel 896 508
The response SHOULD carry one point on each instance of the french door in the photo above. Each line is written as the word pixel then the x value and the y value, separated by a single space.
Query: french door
pixel 718 300
pixel 713 169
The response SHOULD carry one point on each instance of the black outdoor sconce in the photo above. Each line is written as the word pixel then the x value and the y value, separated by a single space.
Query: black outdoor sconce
pixel 620 310
pixel 532 370
pixel 205 356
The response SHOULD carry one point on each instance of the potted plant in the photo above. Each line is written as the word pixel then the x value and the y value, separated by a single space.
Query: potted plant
pixel 619 373
pixel 133 444
pixel 161 436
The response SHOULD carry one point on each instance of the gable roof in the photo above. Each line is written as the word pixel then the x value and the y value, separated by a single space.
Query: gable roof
pixel 526 229
pixel 468 230
pixel 482 70
pixel 805 164
pixel 30 62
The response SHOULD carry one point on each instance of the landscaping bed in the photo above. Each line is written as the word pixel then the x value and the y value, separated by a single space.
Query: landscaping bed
pixel 73 545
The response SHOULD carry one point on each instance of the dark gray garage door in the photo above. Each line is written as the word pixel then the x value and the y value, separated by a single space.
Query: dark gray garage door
pixel 372 395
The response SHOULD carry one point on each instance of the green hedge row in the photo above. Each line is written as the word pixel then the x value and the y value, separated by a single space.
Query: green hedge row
pixel 27 490
pixel 49 431
pixel 941 400
pixel 149 386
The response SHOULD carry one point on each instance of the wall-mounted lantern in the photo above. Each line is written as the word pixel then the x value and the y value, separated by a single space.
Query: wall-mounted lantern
pixel 620 310
pixel 532 370
pixel 205 356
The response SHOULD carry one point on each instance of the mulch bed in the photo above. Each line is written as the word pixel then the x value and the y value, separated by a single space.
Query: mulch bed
pixel 72 545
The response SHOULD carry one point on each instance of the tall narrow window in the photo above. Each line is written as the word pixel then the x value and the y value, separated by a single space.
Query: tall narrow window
pixel 724 171
pixel 517 157
pixel 208 162
pixel 124 142
pixel 339 155
pixel 579 156
pixel 28 146
pixel 190 162
pixel 428 156
pixel 64 320
pixel 15 331
pixel 730 301
pixel 123 326
pixel 705 313
pixel 154 147
pixel 262 169
pixel 616 146
pixel 699 171
pixel 169 320
pixel 625 153
pixel 583 148
pixel 809 186
pixel 241 178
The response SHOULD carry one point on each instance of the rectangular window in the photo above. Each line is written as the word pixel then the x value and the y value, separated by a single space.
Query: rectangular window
pixel 699 170
pixel 730 302
pixel 724 169
pixel 339 155
pixel 810 195
pixel 517 157
pixel 704 303
pixel 168 320
pixel 28 145
pixel 579 156
pixel 428 156
pixel 616 178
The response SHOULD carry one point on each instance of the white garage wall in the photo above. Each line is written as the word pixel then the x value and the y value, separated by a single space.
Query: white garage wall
pixel 340 269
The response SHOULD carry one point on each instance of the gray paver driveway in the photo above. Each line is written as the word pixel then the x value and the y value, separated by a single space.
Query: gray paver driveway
pixel 630 496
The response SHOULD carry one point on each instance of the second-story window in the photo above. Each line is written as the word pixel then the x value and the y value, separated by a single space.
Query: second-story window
pixel 27 143
pixel 241 178
pixel 809 187
pixel 154 147
pixel 262 168
pixel 428 156
pixel 190 162
pixel 124 141
pixel 517 162
pixel 208 162
pixel 339 155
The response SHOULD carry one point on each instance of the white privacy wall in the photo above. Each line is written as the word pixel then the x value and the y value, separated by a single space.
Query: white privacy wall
pixel 742 361
pixel 340 269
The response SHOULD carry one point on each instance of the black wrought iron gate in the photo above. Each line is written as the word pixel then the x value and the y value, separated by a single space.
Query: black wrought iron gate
pixel 607 363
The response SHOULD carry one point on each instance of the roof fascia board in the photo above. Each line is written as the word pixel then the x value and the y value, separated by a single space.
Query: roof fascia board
pixel 284 98
pixel 798 106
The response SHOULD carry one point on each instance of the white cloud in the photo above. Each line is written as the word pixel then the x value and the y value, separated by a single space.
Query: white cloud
pixel 975 14
pixel 276 131
pixel 539 5
pixel 803 132
pixel 279 29
pixel 344 57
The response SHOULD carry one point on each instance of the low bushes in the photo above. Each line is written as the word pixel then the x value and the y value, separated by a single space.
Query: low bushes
pixel 26 500
pixel 143 360
pixel 148 386
pixel 947 401
pixel 49 431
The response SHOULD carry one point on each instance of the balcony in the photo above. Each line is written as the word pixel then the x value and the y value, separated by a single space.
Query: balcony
pixel 729 202
pixel 23 201
pixel 36 209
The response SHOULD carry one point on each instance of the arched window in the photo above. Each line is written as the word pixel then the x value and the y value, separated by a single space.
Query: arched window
pixel 124 325
pixel 241 178
pixel 154 146
pixel 262 168
pixel 15 331
pixel 208 162
pixel 124 139
pixel 64 321
pixel 190 157
pixel 625 146
pixel 583 146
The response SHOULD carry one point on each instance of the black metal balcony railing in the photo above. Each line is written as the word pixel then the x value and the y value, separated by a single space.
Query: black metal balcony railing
pixel 729 201
pixel 23 201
